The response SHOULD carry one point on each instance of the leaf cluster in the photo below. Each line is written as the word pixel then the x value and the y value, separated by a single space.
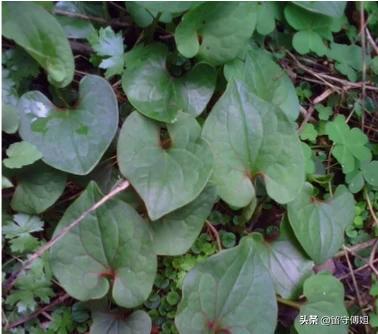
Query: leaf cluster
pixel 241 178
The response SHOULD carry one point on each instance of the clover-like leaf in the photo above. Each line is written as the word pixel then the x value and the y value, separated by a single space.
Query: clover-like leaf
pixel 324 112
pixel 267 13
pixel 350 144
pixel 355 180
pixel 328 8
pixel 287 266
pixel 319 225
pixel 21 154
pixel 176 232
pixel 39 33
pixel 309 133
pixel 263 77
pixel 138 322
pixel 167 173
pixel 348 59
pixel 230 292
pixel 325 298
pixel 312 28
pixel 38 187
pixel 154 92
pixel 306 41
pixel 111 248
pixel 250 137
pixel 216 32
pixel 71 139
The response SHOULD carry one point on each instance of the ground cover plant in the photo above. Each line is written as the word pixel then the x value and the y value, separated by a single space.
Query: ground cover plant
pixel 190 167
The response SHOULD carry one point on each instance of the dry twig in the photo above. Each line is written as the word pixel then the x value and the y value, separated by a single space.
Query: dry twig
pixel 370 206
pixel 26 265
pixel 113 22
pixel 371 41
pixel 358 295
pixel 61 299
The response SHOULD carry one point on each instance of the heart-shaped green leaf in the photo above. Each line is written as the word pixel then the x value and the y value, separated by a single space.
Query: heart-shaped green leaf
pixel 109 248
pixel 251 137
pixel 230 292
pixel 72 139
pixel 319 225
pixel 263 77
pixel 115 322
pixel 217 31
pixel 167 173
pixel 38 187
pixel 325 301
pixel 154 92
pixel 287 266
pixel 39 33
pixel 329 8
pixel 176 232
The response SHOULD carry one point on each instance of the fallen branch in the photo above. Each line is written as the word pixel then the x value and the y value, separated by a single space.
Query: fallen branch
pixel 309 112
pixel 356 248
pixel 325 78
pixel 371 209
pixel 371 41
pixel 358 295
pixel 26 265
pixel 113 22
pixel 372 258
pixel 365 266
pixel 363 56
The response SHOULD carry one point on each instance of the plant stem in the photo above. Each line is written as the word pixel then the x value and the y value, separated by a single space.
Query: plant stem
pixel 289 303
pixel 26 265
pixel 371 209
pixel 215 234
pixel 363 50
